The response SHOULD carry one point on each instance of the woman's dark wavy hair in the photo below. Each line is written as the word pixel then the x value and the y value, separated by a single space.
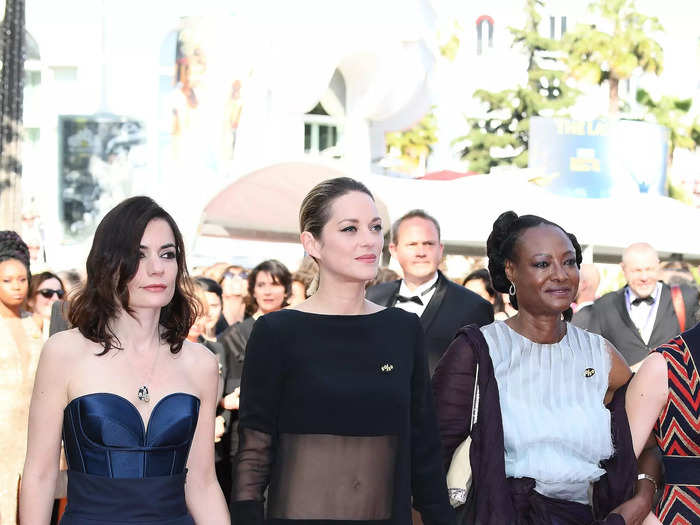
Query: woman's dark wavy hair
pixel 113 262
pixel 280 275
pixel 500 247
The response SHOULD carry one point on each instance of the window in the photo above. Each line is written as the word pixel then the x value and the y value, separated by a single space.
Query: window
pixel 557 27
pixel 322 125
pixel 320 130
pixel 484 34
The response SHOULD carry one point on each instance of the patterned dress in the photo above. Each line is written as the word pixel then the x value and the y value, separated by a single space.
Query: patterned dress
pixel 678 431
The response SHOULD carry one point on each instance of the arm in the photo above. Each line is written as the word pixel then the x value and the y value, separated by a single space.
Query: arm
pixel 261 389
pixel 619 374
pixel 428 482
pixel 637 510
pixel 44 435
pixel 642 411
pixel 646 398
pixel 202 492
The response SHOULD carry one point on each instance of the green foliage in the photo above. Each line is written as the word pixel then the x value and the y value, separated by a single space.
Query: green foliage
pixel 450 46
pixel 679 193
pixel 501 137
pixel 672 113
pixel 595 55
pixel 413 145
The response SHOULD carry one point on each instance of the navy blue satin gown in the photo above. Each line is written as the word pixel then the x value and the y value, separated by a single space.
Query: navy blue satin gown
pixel 120 472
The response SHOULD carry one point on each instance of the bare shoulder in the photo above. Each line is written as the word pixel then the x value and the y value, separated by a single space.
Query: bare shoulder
pixel 201 367
pixel 650 383
pixel 619 369
pixel 67 346
pixel 199 359
pixel 654 369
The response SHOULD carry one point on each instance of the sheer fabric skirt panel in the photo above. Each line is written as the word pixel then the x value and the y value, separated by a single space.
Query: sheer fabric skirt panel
pixel 332 477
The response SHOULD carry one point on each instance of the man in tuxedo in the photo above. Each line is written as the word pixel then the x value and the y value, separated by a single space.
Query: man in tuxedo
pixel 641 316
pixel 589 280
pixel 443 306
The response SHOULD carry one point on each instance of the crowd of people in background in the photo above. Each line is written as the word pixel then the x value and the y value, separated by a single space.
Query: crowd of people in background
pixel 657 302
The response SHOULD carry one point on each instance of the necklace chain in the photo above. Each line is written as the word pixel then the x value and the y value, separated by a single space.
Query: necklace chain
pixel 143 393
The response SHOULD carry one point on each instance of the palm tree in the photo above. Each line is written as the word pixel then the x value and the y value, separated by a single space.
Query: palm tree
pixel 627 46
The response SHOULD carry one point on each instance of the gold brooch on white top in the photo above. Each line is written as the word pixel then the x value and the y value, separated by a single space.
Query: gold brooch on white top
pixel 386 368
pixel 589 372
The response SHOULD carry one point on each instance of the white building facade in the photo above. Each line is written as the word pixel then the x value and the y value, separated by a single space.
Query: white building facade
pixel 205 92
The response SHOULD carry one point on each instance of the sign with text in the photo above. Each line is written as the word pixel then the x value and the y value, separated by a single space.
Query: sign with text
pixel 599 158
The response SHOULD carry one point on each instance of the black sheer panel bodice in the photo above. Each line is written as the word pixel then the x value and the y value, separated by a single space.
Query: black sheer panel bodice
pixel 337 422
pixel 333 477
pixel 104 435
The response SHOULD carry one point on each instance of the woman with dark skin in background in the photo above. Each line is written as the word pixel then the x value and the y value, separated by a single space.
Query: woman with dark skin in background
pixel 20 346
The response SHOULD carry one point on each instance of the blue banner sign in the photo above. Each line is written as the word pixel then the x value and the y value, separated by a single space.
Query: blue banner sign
pixel 599 158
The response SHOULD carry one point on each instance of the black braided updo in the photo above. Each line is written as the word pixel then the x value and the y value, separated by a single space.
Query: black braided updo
pixel 13 247
pixel 500 247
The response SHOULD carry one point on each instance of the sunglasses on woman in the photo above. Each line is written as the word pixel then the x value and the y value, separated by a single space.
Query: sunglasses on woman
pixel 48 293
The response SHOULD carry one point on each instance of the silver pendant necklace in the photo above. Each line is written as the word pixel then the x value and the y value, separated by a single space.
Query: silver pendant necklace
pixel 143 394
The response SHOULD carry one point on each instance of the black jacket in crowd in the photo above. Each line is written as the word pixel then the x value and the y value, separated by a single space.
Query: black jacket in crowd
pixel 611 319
pixel 450 308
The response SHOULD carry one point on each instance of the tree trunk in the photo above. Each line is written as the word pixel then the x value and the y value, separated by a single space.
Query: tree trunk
pixel 614 98
pixel 11 94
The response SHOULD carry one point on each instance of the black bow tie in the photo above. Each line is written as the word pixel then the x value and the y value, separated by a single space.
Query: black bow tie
pixel 640 300
pixel 415 298
pixel 404 299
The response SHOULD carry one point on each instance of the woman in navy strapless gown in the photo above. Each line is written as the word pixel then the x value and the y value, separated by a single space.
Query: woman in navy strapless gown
pixel 133 400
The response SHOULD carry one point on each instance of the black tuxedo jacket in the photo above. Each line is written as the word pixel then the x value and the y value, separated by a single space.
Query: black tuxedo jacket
pixel 611 320
pixel 450 308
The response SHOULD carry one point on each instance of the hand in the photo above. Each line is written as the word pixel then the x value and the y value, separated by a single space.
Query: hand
pixel 651 520
pixel 219 428
pixel 233 400
pixel 636 509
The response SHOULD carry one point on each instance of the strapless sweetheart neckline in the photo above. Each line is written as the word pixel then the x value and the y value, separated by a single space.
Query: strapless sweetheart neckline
pixel 144 424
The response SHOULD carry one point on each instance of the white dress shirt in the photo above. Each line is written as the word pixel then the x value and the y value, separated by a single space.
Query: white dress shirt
pixel 420 292
pixel 643 315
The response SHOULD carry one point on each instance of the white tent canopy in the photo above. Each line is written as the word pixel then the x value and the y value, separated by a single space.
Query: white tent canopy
pixel 465 208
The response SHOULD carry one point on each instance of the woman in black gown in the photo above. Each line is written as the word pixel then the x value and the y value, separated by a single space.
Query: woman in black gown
pixel 336 414
pixel 135 400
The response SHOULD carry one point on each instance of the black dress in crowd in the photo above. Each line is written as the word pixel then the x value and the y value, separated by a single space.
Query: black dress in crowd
pixel 337 422
pixel 234 341
pixel 221 448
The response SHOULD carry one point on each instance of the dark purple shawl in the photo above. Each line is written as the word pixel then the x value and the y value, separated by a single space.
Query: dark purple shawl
pixel 501 501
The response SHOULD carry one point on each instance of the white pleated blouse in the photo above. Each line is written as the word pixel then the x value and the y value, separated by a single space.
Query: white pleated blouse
pixel 556 428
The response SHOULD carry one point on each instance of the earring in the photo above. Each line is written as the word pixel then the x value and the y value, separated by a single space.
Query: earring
pixel 511 290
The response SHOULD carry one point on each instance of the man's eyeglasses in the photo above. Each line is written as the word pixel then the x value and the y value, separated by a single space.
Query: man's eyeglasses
pixel 48 293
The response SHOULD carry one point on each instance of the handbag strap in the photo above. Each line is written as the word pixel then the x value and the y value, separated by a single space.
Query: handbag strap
pixel 475 399
pixel 678 305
